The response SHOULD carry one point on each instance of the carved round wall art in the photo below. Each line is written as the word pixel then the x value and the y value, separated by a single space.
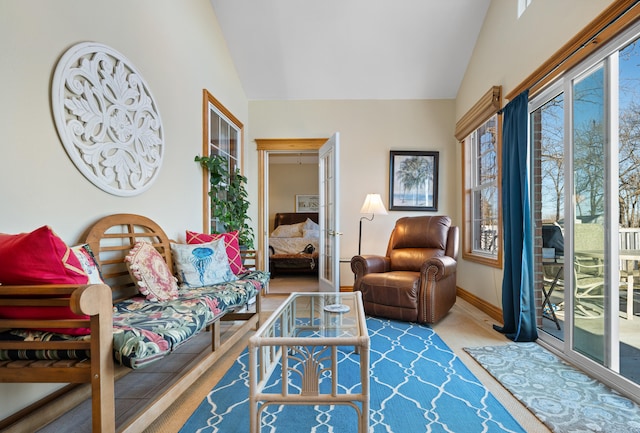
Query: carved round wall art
pixel 107 119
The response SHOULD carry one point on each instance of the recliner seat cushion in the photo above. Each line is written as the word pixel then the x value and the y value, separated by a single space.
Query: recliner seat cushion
pixel 391 294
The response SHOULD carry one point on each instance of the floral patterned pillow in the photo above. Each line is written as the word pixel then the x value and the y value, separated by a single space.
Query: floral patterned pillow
pixel 88 262
pixel 151 273
pixel 201 265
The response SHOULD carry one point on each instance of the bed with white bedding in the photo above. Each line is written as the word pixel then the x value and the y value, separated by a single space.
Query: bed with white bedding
pixel 294 243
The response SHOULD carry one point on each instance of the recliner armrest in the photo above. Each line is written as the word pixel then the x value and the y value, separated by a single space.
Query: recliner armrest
pixel 445 266
pixel 363 265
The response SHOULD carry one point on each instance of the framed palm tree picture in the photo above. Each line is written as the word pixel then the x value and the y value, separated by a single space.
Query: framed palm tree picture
pixel 413 180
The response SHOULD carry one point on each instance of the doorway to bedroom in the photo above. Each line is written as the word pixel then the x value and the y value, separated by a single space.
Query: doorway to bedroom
pixel 290 226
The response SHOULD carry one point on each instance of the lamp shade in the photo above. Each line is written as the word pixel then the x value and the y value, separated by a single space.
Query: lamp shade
pixel 373 205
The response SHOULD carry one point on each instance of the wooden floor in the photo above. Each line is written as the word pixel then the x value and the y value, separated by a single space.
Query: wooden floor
pixel 464 326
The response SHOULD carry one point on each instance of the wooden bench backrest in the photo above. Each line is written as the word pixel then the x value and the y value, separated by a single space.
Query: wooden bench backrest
pixel 112 237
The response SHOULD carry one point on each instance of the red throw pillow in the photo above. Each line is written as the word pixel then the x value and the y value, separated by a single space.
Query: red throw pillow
pixel 40 257
pixel 230 242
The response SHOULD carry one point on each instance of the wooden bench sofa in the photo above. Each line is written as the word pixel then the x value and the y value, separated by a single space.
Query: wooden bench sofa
pixel 116 327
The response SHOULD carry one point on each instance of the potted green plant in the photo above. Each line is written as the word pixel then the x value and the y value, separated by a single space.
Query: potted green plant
pixel 229 204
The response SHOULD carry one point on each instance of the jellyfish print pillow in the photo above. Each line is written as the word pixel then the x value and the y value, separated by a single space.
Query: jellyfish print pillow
pixel 201 265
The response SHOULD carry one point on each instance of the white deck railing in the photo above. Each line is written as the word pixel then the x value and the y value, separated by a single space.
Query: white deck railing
pixel 629 238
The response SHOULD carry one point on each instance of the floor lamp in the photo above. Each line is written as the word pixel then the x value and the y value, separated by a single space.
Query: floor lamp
pixel 372 205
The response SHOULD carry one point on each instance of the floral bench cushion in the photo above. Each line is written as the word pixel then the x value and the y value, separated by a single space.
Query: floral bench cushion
pixel 143 331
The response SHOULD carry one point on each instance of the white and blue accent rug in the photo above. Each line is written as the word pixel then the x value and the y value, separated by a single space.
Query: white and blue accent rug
pixel 417 384
pixel 565 399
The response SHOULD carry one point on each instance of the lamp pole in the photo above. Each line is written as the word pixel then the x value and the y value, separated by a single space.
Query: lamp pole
pixel 372 205
pixel 360 232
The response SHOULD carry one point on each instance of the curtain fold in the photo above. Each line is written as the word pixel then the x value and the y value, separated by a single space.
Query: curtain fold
pixel 518 301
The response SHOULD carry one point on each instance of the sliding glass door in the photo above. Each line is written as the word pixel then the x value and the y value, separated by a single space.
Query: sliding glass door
pixel 585 147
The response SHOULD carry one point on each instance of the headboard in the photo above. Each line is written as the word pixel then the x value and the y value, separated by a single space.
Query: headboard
pixel 286 218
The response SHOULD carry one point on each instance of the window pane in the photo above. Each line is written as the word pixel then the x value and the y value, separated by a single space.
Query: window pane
pixel 233 146
pixel 548 126
pixel 485 227
pixel 224 138
pixel 589 149
pixel 487 155
pixel 214 131
pixel 629 155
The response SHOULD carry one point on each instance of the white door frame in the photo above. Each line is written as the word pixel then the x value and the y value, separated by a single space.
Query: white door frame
pixel 264 147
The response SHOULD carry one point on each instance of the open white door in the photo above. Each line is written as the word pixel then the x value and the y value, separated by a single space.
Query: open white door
pixel 329 270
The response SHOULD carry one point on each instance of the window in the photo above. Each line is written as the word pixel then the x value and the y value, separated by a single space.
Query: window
pixel 481 179
pixel 480 132
pixel 222 135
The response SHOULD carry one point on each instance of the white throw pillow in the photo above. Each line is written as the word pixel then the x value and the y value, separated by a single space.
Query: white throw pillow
pixel 201 265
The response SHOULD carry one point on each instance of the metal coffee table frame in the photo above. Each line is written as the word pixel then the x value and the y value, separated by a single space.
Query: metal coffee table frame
pixel 303 338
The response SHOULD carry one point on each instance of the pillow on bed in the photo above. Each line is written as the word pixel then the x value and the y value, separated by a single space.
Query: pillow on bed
pixel 202 265
pixel 231 243
pixel 151 273
pixel 288 231
pixel 310 224
pixel 308 233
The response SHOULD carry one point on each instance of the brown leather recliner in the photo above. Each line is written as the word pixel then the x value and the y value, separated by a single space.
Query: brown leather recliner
pixel 416 281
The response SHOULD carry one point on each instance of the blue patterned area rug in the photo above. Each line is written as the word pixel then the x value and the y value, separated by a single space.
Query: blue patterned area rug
pixel 417 384
pixel 562 397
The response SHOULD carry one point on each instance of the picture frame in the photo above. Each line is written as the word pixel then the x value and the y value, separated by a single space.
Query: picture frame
pixel 307 202
pixel 413 180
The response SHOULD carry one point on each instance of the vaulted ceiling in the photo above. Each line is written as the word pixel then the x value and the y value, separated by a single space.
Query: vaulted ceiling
pixel 350 49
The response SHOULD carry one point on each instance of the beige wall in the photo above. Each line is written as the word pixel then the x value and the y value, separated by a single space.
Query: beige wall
pixel 177 47
pixel 368 131
pixel 507 51
pixel 285 182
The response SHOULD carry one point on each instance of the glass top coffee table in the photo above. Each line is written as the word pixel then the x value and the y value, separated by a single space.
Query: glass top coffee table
pixel 300 340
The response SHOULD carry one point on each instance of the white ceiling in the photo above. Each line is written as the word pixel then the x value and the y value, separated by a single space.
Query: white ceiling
pixel 350 49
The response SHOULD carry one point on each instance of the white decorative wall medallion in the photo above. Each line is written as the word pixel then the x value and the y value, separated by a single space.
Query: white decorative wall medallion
pixel 107 119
